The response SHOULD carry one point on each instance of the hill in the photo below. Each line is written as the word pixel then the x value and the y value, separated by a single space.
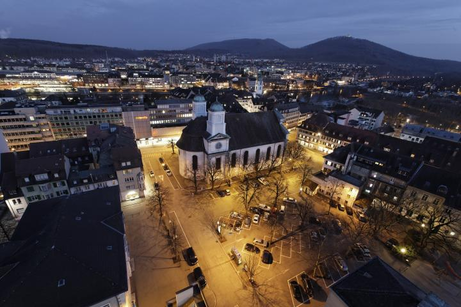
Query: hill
pixel 246 46
pixel 361 51
pixel 335 50
pixel 25 48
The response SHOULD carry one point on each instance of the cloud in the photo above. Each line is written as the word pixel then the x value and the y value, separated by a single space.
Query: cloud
pixel 5 33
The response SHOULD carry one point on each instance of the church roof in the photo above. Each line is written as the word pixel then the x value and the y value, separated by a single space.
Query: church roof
pixel 245 130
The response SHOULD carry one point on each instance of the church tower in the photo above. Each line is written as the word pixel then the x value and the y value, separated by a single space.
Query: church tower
pixel 216 119
pixel 198 106
pixel 259 86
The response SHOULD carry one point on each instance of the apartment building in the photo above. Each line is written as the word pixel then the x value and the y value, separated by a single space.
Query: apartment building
pixel 290 113
pixel 365 118
pixel 71 121
pixel 417 134
pixel 23 124
pixel 115 146
pixel 320 134
pixel 147 79
pixel 170 112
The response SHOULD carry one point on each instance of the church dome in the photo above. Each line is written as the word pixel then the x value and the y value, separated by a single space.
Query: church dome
pixel 216 106
pixel 199 98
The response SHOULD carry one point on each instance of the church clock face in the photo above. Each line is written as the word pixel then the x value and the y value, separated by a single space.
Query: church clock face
pixel 218 145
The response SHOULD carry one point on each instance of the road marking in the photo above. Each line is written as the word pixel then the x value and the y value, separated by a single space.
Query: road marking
pixel 180 225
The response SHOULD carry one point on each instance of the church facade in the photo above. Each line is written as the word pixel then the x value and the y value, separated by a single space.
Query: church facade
pixel 229 143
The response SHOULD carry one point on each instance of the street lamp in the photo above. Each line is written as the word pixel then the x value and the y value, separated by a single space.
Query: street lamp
pixel 423 225
pixel 403 250
pixel 452 233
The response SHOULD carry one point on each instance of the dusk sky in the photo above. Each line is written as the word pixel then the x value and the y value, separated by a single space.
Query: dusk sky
pixel 419 27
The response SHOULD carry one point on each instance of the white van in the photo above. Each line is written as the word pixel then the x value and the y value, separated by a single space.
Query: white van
pixel 236 254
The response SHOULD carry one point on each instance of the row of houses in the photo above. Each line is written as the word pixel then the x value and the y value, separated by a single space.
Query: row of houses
pixel 107 157
pixel 413 181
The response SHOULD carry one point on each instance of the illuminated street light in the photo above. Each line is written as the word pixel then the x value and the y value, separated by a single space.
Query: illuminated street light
pixel 403 250
pixel 423 225
pixel 452 233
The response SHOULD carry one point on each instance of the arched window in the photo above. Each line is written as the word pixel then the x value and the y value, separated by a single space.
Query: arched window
pixel 194 162
pixel 245 158
pixel 234 159
pixel 268 153
pixel 258 153
pixel 279 150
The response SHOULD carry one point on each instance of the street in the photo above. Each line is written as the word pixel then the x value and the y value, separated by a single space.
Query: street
pixel 157 277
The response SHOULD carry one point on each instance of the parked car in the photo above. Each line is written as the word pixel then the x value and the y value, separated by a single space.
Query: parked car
pixel 255 210
pixel 199 277
pixel 289 200
pixel 151 174
pixel 361 217
pixel 314 236
pixel 156 186
pixel 341 207
pixel 324 271
pixel 341 263
pixel 333 204
pixel 392 243
pixel 169 173
pixel 282 209
pixel 162 162
pixel 336 223
pixel 266 216
pixel 221 193
pixel 297 290
pixel 228 192
pixel 308 286
pixel 236 215
pixel 349 210
pixel 263 181
pixel 362 250
pixel 314 220
pixel 260 242
pixel 254 184
pixel 191 258
pixel 267 257
pixel 252 248
pixel 264 207
pixel 247 222
pixel 238 225
pixel 256 218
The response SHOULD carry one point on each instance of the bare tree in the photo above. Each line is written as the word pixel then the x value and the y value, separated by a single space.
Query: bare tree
pixel 305 172
pixel 248 193
pixel 383 216
pixel 158 201
pixel 192 175
pixel 304 209
pixel 295 151
pixel 335 187
pixel 356 229
pixel 278 187
pixel 261 292
pixel 271 164
pixel 212 172
pixel 172 145
pixel 439 228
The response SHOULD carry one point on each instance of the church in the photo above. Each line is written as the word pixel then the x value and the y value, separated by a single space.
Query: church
pixel 230 143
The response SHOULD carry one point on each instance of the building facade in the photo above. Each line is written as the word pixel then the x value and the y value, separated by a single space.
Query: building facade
pixel 24 125
pixel 71 121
